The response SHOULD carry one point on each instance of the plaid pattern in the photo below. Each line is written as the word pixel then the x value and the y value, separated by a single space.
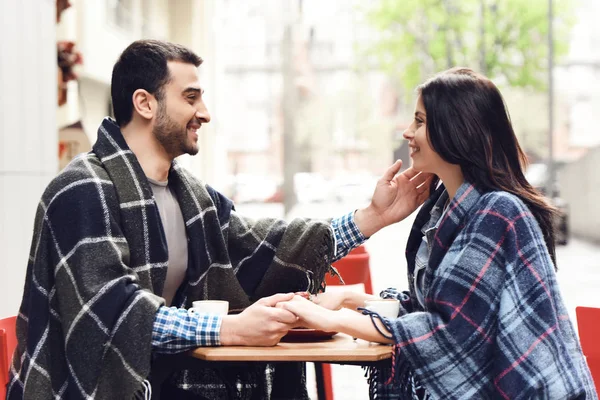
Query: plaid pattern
pixel 494 324
pixel 347 235
pixel 175 330
pixel 99 257
pixel 422 257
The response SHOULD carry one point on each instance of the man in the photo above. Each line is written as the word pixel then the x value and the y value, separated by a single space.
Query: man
pixel 125 240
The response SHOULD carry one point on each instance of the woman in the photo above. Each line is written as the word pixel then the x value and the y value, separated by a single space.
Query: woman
pixel 483 317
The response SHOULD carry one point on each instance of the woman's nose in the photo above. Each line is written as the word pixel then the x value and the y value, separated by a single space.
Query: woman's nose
pixel 408 134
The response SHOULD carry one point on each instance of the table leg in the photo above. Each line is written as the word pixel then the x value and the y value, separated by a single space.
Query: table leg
pixel 320 381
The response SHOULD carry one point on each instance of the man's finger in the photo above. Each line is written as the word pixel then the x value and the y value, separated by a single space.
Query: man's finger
pixel 283 315
pixel 421 178
pixel 271 301
pixel 293 306
pixel 392 171
pixel 410 173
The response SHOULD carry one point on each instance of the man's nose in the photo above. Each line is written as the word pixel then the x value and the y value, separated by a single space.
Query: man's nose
pixel 202 113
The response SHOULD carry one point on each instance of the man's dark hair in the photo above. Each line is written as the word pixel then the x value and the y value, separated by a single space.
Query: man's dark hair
pixel 143 65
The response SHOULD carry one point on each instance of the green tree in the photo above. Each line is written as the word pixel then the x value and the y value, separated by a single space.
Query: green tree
pixel 504 39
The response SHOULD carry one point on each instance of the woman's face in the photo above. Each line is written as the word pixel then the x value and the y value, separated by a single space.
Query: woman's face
pixel 423 156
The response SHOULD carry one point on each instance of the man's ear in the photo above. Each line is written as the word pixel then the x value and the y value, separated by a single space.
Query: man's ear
pixel 144 103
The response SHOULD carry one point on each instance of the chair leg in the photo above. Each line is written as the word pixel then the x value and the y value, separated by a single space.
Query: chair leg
pixel 324 382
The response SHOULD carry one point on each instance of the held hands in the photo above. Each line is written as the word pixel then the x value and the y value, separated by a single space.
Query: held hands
pixel 261 324
pixel 311 315
pixel 343 320
pixel 395 198
pixel 340 298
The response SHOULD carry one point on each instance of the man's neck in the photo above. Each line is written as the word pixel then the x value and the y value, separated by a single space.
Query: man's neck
pixel 150 154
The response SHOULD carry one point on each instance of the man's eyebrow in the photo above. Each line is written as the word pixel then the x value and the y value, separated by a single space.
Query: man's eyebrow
pixel 195 90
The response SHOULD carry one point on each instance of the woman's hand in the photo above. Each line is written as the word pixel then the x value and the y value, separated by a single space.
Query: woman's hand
pixel 342 298
pixel 395 198
pixel 311 315
pixel 330 300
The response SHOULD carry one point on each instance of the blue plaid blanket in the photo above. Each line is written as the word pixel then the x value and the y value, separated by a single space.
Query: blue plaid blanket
pixel 494 324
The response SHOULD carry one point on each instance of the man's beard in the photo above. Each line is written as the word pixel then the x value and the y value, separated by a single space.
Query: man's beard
pixel 172 136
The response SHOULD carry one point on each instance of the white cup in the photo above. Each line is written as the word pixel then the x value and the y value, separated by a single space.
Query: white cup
pixel 219 307
pixel 388 308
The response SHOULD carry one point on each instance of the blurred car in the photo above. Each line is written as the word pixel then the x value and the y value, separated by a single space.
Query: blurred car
pixel 537 175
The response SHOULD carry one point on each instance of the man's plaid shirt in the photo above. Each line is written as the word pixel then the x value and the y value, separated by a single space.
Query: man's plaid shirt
pixel 175 330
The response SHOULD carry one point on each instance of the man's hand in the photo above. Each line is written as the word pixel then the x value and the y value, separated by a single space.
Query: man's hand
pixel 261 324
pixel 395 198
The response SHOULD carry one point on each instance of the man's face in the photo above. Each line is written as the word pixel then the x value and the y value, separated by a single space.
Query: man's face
pixel 181 111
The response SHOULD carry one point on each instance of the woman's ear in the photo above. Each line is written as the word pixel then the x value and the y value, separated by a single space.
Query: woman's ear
pixel 144 104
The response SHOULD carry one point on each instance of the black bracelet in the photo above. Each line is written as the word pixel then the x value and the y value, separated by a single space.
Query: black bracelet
pixel 374 316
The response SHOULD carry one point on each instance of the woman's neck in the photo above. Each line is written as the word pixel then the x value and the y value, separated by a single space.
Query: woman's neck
pixel 452 177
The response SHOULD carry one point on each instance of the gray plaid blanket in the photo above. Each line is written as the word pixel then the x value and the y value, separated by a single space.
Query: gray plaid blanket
pixel 494 324
pixel 97 268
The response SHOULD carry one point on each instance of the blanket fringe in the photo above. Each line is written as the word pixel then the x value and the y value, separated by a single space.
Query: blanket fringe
pixel 401 382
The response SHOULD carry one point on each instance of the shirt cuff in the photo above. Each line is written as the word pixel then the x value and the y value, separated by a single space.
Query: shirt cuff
pixel 347 235
pixel 176 330
pixel 208 332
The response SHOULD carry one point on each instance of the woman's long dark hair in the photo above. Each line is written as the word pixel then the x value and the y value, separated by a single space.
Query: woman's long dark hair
pixel 469 125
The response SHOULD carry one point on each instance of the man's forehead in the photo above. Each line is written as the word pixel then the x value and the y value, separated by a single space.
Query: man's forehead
pixel 184 75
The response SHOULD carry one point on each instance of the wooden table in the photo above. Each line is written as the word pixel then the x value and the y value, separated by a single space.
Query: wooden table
pixel 340 349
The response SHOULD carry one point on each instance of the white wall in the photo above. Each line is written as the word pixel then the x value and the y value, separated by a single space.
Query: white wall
pixel 579 184
pixel 28 135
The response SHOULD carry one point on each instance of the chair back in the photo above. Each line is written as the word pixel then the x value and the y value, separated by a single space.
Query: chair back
pixel 588 324
pixel 8 343
pixel 354 269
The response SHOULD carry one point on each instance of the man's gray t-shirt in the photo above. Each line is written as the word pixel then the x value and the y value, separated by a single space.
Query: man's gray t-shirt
pixel 174 226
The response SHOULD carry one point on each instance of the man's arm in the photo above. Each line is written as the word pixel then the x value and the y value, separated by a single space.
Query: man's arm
pixel 347 235
pixel 261 324
pixel 175 330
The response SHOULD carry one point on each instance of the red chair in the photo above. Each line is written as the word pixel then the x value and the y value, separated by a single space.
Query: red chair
pixel 354 269
pixel 588 324
pixel 8 343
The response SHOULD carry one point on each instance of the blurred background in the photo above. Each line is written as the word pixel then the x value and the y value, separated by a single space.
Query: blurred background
pixel 309 99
